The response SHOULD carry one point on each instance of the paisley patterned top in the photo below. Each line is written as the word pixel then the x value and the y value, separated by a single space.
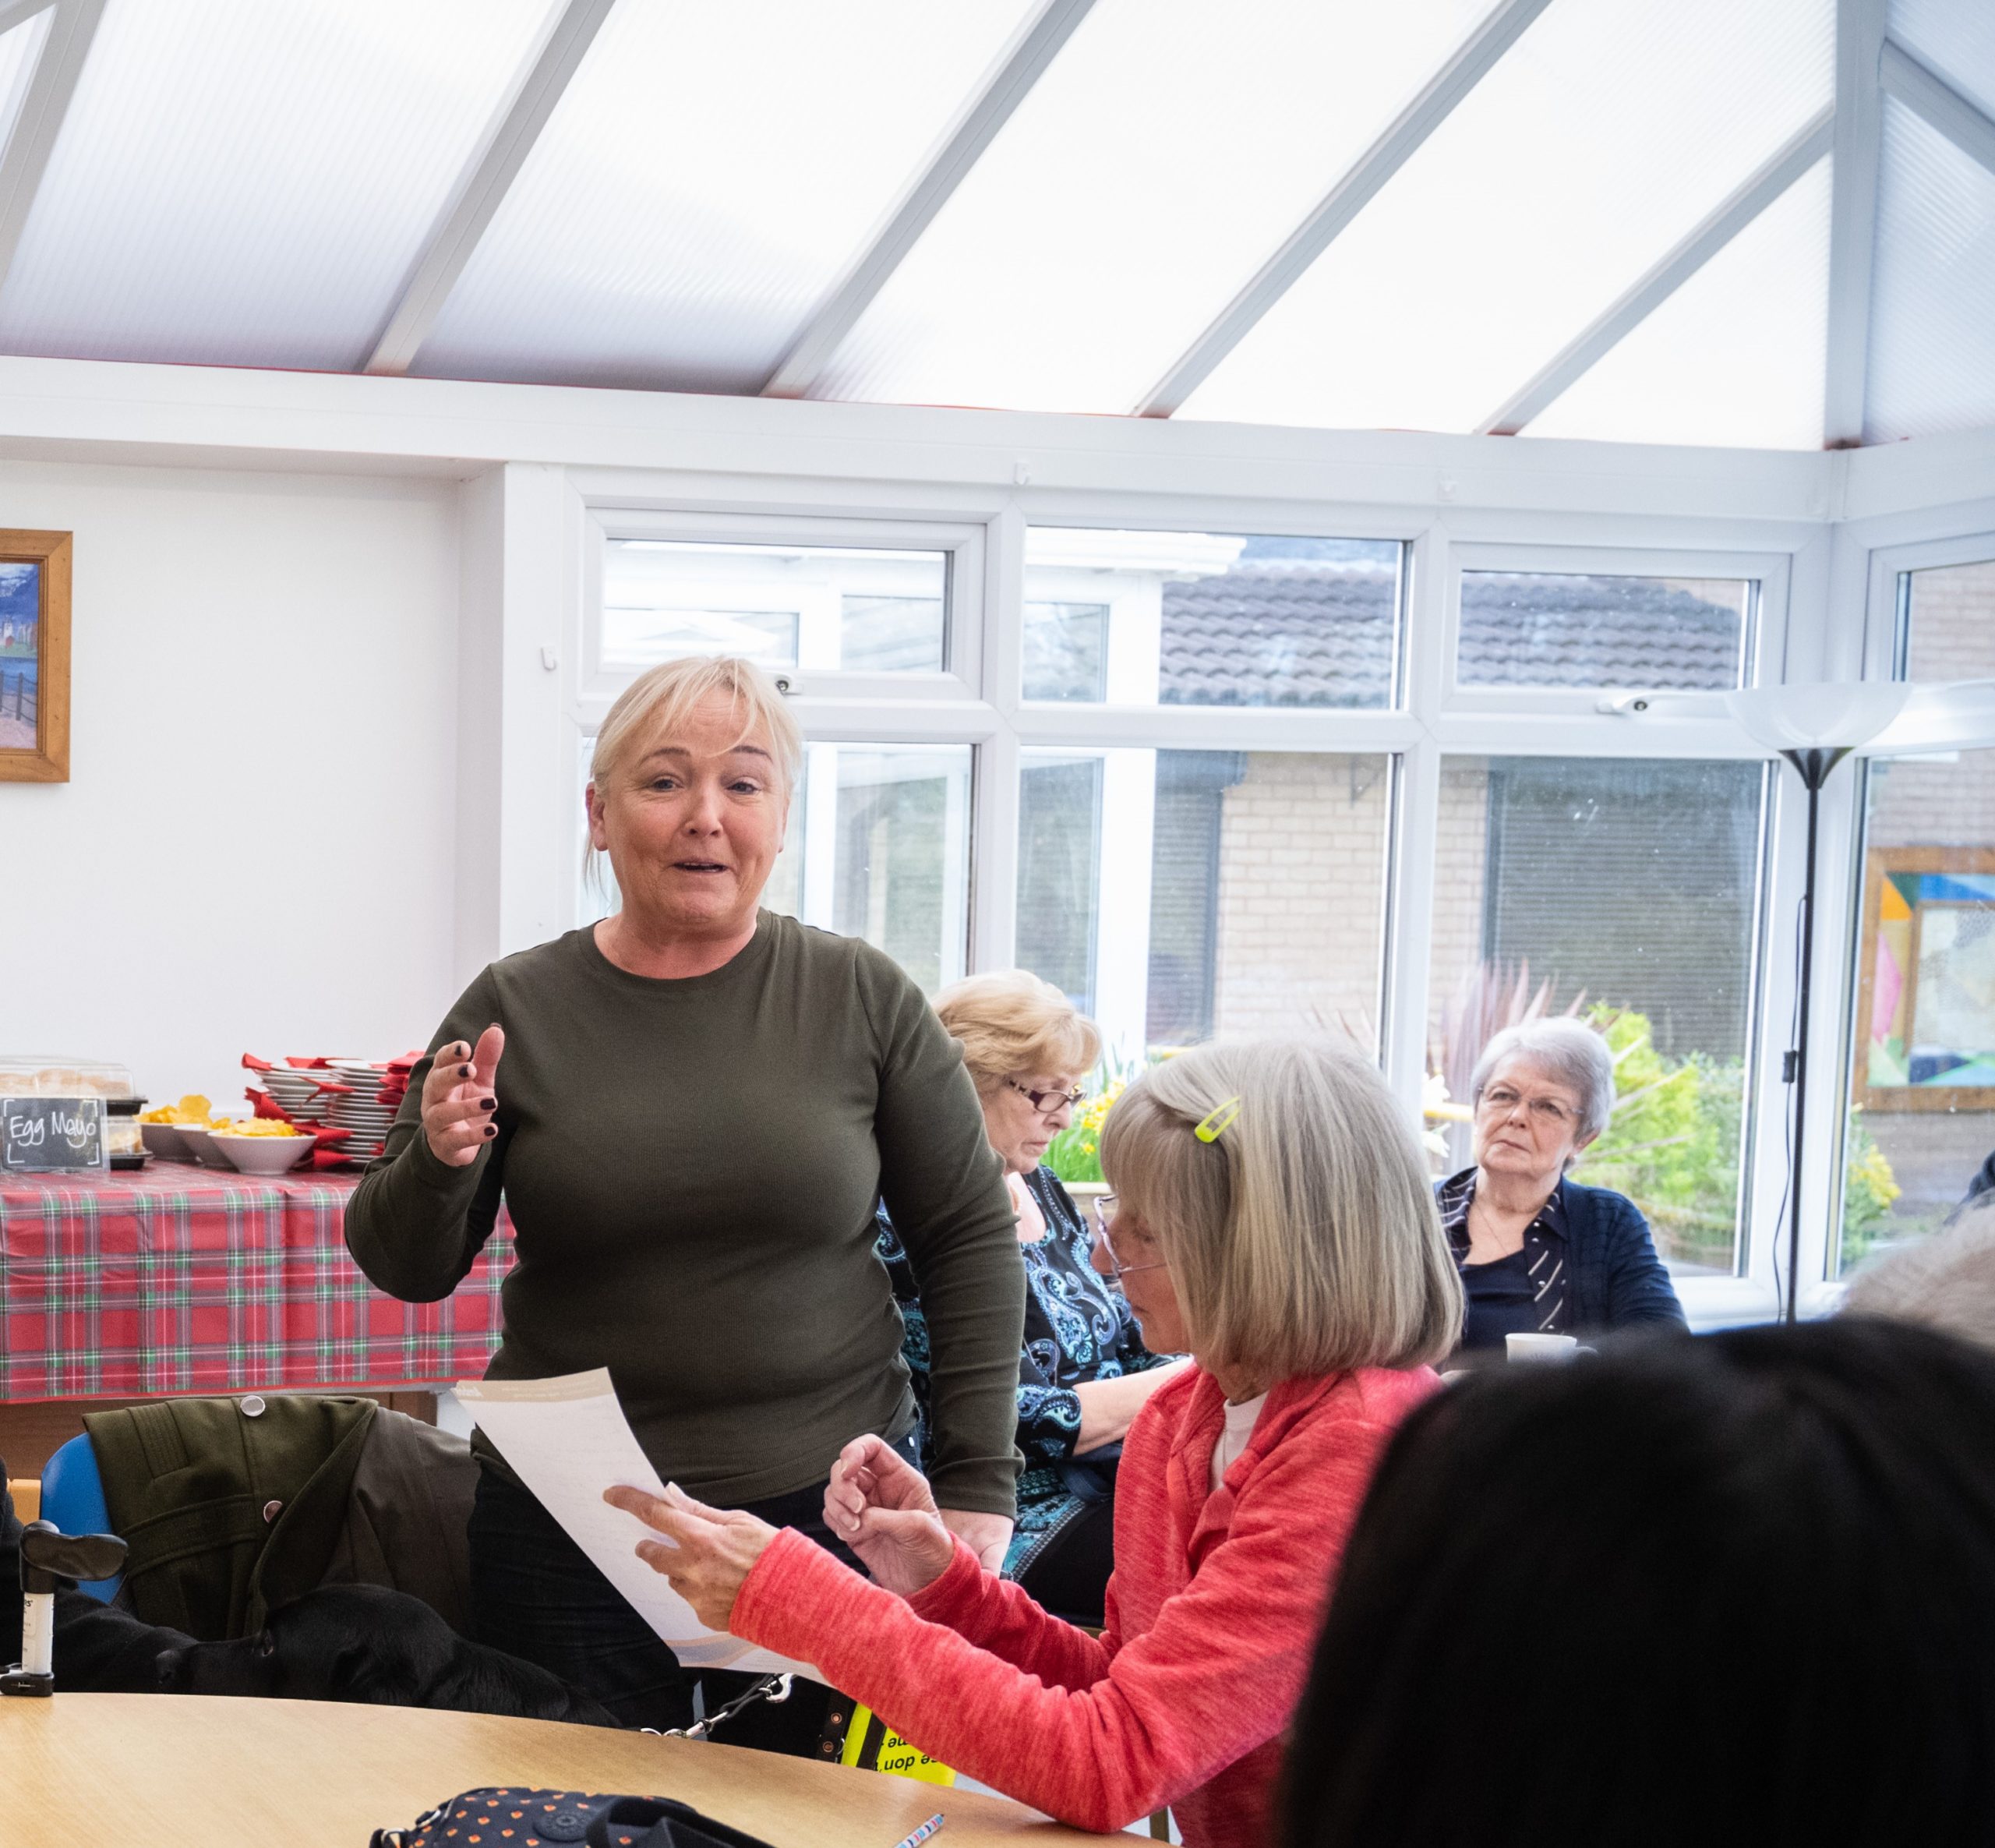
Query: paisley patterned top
pixel 1078 1328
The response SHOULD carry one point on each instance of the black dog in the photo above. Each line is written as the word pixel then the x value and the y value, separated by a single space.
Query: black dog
pixel 363 1642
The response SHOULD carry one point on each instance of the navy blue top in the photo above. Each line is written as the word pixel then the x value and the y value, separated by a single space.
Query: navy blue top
pixel 1525 1293
pixel 1079 1327
pixel 1611 1276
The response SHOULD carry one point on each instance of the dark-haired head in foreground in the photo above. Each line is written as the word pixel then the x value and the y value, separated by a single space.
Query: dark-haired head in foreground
pixel 1740 1588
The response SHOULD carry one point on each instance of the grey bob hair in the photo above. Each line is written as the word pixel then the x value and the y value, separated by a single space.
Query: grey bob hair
pixel 1303 1238
pixel 1571 1051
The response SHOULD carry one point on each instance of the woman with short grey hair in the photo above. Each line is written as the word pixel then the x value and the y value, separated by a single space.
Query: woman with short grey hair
pixel 1540 1254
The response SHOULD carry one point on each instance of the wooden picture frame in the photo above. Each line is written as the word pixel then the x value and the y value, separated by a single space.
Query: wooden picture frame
pixel 1903 889
pixel 34 662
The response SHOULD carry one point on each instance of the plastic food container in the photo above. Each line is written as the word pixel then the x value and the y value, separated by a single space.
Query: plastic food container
pixel 34 1075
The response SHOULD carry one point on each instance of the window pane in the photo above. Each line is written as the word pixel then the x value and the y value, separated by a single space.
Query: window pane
pixel 1067 651
pixel 1950 622
pixel 1922 1117
pixel 836 608
pixel 1547 629
pixel 878 847
pixel 1201 618
pixel 1174 895
pixel 1626 891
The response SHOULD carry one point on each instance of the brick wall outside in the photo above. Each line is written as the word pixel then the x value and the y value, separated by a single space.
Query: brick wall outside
pixel 1301 886
pixel 1302 868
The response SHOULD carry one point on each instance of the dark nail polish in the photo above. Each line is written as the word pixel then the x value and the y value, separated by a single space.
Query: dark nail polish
pixel 463 1071
pixel 491 1129
pixel 488 1103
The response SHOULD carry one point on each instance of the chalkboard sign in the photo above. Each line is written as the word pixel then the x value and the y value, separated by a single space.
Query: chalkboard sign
pixel 41 1135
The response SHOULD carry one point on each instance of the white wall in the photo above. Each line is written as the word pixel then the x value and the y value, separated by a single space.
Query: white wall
pixel 254 852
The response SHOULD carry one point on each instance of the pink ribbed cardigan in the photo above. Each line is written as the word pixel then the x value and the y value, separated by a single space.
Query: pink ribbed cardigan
pixel 1211 1613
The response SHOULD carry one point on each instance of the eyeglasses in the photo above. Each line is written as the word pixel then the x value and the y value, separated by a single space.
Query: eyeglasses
pixel 1050 1103
pixel 1104 1214
pixel 1547 1111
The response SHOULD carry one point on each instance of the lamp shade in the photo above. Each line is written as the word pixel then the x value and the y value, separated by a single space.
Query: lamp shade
pixel 1831 713
pixel 1941 715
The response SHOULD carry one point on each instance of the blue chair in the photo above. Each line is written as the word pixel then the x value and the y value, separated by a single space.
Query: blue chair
pixel 73 1497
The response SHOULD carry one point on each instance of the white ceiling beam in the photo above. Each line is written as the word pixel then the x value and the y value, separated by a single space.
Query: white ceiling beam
pixel 19 12
pixel 70 28
pixel 1936 101
pixel 1506 23
pixel 1852 217
pixel 1007 84
pixel 544 77
pixel 1676 267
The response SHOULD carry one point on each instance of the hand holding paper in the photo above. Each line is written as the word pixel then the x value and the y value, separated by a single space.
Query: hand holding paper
pixel 567 1440
pixel 707 1552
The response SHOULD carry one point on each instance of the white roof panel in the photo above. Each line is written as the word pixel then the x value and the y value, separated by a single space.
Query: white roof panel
pixel 1933 290
pixel 1954 37
pixel 1171 145
pixel 1735 356
pixel 248 184
pixel 1604 135
pixel 713 167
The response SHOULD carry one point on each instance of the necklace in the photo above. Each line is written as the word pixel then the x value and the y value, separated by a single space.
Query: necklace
pixel 1504 1248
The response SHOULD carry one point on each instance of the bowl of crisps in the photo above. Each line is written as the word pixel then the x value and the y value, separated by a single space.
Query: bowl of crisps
pixel 199 1138
pixel 165 1130
pixel 261 1146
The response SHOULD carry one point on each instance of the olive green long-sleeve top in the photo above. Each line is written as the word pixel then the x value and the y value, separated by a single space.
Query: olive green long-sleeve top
pixel 691 1166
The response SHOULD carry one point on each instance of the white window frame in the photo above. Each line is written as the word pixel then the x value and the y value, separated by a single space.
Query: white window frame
pixel 1764 641
pixel 1686 512
pixel 961 544
pixel 1885 640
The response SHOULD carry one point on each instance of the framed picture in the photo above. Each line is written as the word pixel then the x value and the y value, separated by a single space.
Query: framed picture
pixel 1926 1000
pixel 34 657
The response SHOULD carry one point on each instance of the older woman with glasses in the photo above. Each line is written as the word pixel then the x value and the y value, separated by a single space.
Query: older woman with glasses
pixel 1084 1372
pixel 1275 1218
pixel 1540 1254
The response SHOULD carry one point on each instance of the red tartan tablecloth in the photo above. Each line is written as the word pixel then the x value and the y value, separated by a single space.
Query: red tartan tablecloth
pixel 185 1279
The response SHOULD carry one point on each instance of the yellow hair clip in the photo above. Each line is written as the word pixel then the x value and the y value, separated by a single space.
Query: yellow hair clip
pixel 1218 1121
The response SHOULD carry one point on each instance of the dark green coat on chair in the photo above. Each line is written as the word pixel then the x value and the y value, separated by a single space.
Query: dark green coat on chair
pixel 232 1507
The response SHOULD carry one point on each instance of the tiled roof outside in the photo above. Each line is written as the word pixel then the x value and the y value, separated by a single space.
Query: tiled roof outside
pixel 1319 633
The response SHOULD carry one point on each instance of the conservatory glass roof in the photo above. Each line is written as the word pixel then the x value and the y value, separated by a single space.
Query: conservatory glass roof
pixel 1668 221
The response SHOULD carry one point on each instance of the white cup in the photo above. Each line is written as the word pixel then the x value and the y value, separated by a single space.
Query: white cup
pixel 1538 1348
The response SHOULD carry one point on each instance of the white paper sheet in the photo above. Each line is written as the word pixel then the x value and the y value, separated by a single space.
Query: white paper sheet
pixel 567 1440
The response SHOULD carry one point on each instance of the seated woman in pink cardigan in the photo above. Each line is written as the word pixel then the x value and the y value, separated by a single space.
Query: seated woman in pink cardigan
pixel 1273 1216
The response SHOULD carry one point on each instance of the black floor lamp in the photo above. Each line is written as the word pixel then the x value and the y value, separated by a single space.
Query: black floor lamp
pixel 1814 727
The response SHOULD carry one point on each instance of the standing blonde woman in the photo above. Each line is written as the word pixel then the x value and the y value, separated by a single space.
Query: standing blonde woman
pixel 690 1109
pixel 1084 1372
pixel 1273 1215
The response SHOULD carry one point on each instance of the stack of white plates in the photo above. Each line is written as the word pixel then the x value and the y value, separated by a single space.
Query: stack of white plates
pixel 295 1090
pixel 360 1106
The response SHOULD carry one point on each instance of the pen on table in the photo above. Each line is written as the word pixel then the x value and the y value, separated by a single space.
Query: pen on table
pixel 923 1833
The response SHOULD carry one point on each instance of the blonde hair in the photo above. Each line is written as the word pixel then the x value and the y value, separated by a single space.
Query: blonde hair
pixel 1010 1023
pixel 1303 1238
pixel 663 697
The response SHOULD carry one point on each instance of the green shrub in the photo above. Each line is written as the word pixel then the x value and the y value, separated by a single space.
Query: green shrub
pixel 1869 1188
pixel 1672 1143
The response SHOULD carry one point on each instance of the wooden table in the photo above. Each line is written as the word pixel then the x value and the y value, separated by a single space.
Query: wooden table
pixel 190 1771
